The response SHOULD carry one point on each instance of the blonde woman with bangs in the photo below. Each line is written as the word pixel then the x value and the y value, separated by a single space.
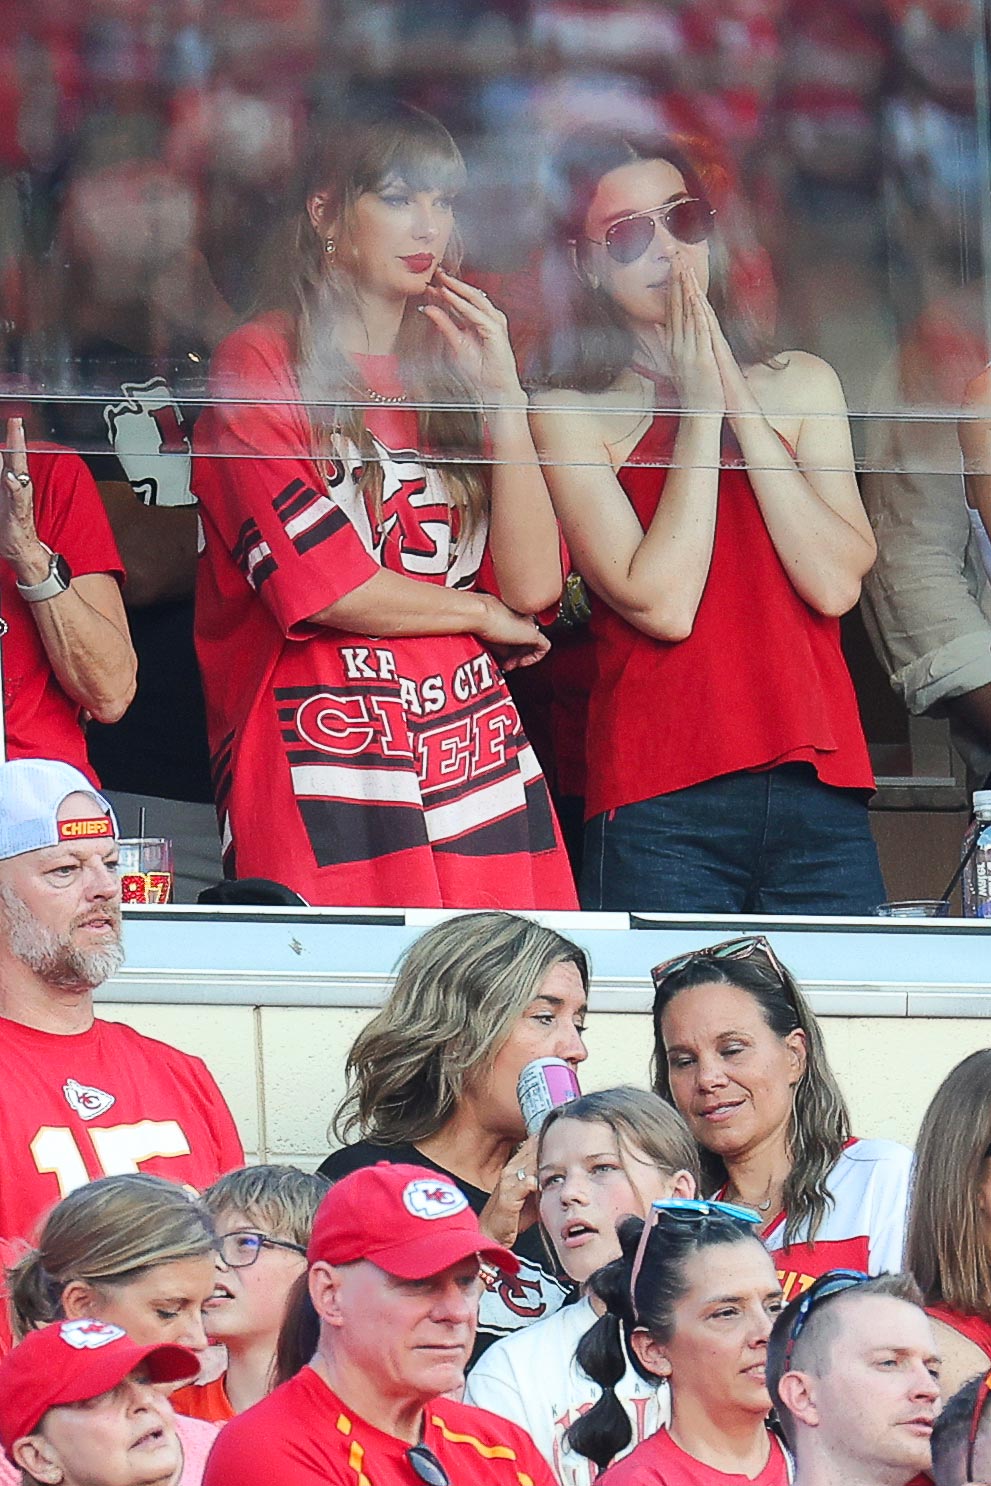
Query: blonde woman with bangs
pixel 370 485
pixel 432 1081
pixel 133 1251
pixel 948 1247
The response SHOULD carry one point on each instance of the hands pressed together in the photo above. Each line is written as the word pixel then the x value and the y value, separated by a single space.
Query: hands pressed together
pixel 704 369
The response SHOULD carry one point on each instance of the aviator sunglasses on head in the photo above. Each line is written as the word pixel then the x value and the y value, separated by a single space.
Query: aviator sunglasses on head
pixel 690 220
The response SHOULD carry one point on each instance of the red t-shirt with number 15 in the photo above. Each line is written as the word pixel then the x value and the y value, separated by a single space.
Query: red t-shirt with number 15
pixel 100 1103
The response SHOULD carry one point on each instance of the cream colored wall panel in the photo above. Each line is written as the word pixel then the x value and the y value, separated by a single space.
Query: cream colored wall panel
pixel 619 1049
pixel 223 1036
pixel 303 1055
pixel 889 1070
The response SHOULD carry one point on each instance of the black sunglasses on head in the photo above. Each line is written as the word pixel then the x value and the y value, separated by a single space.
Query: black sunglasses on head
pixel 833 1282
pixel 689 220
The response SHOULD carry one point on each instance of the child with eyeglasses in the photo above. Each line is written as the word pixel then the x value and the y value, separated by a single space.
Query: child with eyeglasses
pixel 263 1216
pixel 706 489
pixel 692 1299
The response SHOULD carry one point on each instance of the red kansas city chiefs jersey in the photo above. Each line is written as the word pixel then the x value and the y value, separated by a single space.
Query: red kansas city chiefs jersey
pixel 357 770
pixel 100 1103
pixel 864 1227
pixel 304 1435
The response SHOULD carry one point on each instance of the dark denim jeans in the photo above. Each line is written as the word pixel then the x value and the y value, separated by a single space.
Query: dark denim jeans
pixel 779 841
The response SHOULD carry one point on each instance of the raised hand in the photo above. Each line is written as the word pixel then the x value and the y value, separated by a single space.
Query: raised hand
pixel 478 335
pixel 687 336
pixel 737 395
pixel 18 537
pixel 512 1208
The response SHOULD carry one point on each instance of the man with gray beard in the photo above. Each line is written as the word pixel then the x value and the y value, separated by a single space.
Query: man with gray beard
pixel 80 1097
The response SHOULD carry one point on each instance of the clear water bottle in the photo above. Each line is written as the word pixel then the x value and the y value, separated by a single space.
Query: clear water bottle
pixel 976 883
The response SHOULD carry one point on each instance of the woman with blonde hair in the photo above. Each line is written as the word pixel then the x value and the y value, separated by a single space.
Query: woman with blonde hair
pixel 370 484
pixel 948 1246
pixel 133 1251
pixel 600 1159
pixel 432 1082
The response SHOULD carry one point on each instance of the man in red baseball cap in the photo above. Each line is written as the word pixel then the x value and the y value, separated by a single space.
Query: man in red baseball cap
pixel 79 1407
pixel 394 1276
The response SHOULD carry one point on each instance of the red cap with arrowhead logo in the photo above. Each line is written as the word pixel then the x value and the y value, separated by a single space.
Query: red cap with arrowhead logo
pixel 71 1361
pixel 410 1221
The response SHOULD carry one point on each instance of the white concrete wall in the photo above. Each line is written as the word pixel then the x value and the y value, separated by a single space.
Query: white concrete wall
pixel 282 1067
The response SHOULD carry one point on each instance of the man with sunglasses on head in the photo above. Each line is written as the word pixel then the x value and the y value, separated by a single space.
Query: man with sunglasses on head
pixel 853 1372
pixel 395 1261
pixel 961 1441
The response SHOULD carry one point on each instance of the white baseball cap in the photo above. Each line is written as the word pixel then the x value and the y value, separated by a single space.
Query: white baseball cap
pixel 31 792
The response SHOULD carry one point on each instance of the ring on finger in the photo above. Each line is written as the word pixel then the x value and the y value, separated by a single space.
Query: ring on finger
pixel 521 1175
pixel 22 480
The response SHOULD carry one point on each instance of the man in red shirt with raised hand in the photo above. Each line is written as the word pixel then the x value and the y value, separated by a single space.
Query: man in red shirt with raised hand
pixel 80 1098
pixel 394 1264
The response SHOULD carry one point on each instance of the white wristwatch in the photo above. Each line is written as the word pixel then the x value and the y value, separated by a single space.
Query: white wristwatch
pixel 58 580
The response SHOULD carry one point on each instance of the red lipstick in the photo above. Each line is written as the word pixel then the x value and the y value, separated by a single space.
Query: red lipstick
pixel 419 262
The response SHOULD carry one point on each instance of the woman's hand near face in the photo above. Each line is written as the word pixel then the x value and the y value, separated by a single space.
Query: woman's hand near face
pixel 690 344
pixel 478 335
pixel 512 1208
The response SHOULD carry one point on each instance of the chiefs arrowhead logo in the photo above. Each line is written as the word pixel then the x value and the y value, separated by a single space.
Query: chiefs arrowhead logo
pixel 433 1199
pixel 86 1101
pixel 86 1336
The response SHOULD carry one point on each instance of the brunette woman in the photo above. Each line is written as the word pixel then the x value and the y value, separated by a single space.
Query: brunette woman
pixel 706 490
pixel 432 1081
pixel 948 1247
pixel 738 1051
pixel 373 486
pixel 600 1159
pixel 693 1298
pixel 137 1252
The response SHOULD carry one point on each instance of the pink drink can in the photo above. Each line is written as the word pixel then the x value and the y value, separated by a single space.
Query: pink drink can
pixel 542 1086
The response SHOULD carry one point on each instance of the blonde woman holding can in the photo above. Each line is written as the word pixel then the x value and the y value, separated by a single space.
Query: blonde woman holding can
pixel 433 1080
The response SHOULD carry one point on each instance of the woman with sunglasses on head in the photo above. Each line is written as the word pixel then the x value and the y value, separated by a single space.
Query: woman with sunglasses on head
pixel 132 1251
pixel 948 1244
pixel 739 1052
pixel 602 1158
pixel 367 483
pixel 706 490
pixel 691 1300
pixel 432 1081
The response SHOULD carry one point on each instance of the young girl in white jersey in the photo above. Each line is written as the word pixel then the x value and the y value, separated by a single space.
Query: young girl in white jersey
pixel 601 1158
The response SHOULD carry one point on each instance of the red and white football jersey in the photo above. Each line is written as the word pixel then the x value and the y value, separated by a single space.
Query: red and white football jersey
pixel 864 1228
pixel 100 1103
pixel 355 769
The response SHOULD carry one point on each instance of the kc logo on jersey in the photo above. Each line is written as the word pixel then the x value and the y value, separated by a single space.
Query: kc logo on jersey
pixel 433 1199
pixel 86 1101
pixel 88 1336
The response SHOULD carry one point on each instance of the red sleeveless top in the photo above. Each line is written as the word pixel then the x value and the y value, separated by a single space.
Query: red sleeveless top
pixel 760 681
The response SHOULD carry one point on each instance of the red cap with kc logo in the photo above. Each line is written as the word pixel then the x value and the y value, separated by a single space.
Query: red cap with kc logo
pixel 71 1361
pixel 410 1221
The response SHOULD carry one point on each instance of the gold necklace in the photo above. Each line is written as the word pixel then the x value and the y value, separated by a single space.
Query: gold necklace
pixel 380 397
